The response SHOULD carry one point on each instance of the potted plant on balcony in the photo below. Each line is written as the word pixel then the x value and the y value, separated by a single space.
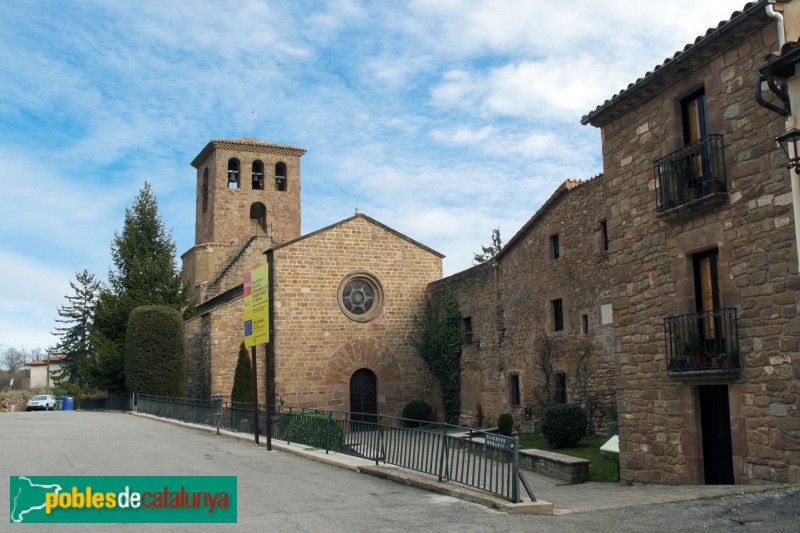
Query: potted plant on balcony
pixel 692 352
pixel 727 360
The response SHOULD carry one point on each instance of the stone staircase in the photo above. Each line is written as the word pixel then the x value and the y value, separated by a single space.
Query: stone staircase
pixel 232 270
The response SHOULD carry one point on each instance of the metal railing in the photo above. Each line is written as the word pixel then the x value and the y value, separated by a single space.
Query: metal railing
pixel 694 171
pixel 477 459
pixel 703 341
pixel 118 402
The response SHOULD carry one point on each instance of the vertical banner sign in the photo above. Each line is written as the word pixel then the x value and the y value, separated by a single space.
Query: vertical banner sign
pixel 256 306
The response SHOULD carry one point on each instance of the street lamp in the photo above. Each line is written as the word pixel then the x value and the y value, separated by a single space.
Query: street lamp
pixel 790 137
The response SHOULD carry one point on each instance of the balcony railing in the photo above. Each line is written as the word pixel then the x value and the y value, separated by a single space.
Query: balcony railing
pixel 703 345
pixel 694 172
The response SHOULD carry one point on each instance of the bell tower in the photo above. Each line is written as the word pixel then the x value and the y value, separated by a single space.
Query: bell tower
pixel 248 199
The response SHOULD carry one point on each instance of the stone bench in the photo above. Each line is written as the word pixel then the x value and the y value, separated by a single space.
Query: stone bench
pixel 560 466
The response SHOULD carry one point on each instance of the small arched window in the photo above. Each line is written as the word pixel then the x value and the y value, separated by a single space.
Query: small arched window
pixel 258 175
pixel 258 216
pixel 280 176
pixel 204 190
pixel 233 173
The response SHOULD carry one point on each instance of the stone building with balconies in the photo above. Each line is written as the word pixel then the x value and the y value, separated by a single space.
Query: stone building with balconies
pixel 704 280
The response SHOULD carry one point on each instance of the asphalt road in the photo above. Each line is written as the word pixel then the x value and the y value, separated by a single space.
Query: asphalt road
pixel 280 492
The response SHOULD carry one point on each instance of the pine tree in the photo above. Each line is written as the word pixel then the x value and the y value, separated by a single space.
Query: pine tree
pixel 491 250
pixel 76 316
pixel 144 273
pixel 243 379
pixel 144 257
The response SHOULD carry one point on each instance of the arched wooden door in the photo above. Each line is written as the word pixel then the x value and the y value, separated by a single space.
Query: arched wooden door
pixel 364 396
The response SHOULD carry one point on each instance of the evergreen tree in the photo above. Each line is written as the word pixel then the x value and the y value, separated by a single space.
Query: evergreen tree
pixel 76 316
pixel 144 257
pixel 155 362
pixel 144 273
pixel 489 251
pixel 243 379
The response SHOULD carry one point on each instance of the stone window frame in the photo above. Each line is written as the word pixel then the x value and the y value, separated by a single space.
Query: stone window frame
pixel 514 389
pixel 379 299
pixel 605 236
pixel 257 168
pixel 234 173
pixel 204 190
pixel 556 250
pixel 560 392
pixel 281 177
pixel 469 332
pixel 557 314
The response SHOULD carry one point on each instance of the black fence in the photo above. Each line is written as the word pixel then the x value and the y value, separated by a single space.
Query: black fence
pixel 481 460
pixel 120 402
pixel 703 341
pixel 695 171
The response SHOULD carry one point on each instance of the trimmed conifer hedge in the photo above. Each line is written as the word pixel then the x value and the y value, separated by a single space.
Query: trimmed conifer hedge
pixel 155 362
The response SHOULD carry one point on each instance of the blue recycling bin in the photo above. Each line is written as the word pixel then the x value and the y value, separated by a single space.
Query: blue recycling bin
pixel 69 403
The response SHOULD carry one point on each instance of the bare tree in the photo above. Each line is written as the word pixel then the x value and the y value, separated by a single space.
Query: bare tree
pixel 14 359
pixel 584 347
pixel 546 350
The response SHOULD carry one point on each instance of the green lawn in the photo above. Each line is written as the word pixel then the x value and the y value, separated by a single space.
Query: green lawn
pixel 589 448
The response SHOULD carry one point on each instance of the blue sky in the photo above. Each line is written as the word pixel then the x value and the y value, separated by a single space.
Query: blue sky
pixel 443 119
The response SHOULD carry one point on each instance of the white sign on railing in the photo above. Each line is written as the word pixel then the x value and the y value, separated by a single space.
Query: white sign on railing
pixel 499 441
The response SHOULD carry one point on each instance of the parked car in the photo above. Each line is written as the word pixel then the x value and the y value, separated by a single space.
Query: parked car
pixel 41 402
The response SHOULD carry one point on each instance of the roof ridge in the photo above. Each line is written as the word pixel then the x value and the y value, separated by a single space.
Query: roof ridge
pixel 679 56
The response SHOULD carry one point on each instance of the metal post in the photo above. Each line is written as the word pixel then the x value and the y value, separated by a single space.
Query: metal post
pixel 443 451
pixel 330 432
pixel 216 406
pixel 254 366
pixel 515 484
pixel 268 379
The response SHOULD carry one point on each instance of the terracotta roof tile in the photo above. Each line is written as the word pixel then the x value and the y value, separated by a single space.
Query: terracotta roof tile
pixel 43 362
pixel 247 144
pixel 752 13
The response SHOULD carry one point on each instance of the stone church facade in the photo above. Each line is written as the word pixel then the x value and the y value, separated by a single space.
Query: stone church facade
pixel 345 300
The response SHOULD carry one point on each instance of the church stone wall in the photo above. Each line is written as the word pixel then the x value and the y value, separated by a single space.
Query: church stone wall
pixel 318 348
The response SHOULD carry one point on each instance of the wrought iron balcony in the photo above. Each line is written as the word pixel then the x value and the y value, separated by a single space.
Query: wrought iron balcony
pixel 703 345
pixel 692 178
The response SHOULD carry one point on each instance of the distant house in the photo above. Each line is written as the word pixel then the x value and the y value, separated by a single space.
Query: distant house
pixel 42 371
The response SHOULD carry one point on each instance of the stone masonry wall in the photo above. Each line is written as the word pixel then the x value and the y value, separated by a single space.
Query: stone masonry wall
pixel 228 215
pixel 530 280
pixel 509 302
pixel 481 398
pixel 652 278
pixel 318 348
pixel 225 228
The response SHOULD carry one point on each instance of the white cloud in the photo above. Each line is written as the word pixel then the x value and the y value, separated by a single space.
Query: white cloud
pixel 32 293
pixel 467 136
